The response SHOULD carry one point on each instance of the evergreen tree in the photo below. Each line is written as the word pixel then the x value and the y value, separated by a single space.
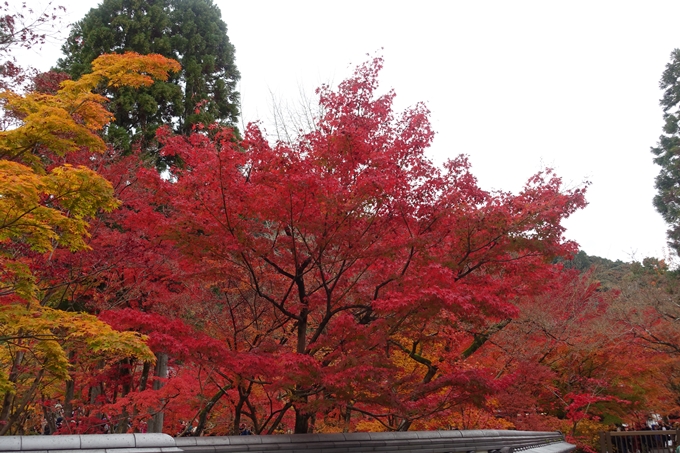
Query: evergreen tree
pixel 667 152
pixel 190 31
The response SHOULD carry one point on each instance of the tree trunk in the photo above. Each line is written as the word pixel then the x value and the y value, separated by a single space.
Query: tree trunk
pixel 155 425
pixel 68 398
pixel 203 415
pixel 69 392
pixel 347 418
pixel 21 406
pixel 275 424
pixel 405 425
pixel 301 417
pixel 299 394
pixel 9 397
pixel 123 422
pixel 144 379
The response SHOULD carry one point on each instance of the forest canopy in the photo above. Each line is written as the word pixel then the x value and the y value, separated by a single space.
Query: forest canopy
pixel 334 281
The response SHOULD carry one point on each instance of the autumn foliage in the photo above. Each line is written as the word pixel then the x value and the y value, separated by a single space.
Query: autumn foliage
pixel 356 262
pixel 340 281
pixel 47 205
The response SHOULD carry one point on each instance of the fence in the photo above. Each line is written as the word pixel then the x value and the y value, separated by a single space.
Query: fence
pixel 652 441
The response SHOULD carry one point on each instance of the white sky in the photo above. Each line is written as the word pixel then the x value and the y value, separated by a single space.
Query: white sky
pixel 516 85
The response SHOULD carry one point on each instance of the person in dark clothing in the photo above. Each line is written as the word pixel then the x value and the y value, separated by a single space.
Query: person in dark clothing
pixel 243 430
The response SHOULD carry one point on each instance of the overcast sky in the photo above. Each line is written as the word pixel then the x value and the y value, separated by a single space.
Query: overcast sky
pixel 516 85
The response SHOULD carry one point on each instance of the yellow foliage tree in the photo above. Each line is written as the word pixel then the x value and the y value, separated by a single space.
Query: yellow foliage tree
pixel 43 208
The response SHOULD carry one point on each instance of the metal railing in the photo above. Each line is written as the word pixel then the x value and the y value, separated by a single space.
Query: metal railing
pixel 648 441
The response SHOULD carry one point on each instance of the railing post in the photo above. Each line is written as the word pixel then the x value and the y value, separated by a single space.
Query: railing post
pixel 606 443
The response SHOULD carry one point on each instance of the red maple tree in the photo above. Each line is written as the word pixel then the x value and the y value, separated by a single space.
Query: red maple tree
pixel 363 263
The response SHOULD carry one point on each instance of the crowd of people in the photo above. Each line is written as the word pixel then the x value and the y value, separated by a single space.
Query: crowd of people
pixel 645 438
pixel 56 421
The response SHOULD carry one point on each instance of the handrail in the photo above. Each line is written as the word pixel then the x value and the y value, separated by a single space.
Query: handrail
pixel 479 441
pixel 149 443
pixel 646 441
pixel 404 442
